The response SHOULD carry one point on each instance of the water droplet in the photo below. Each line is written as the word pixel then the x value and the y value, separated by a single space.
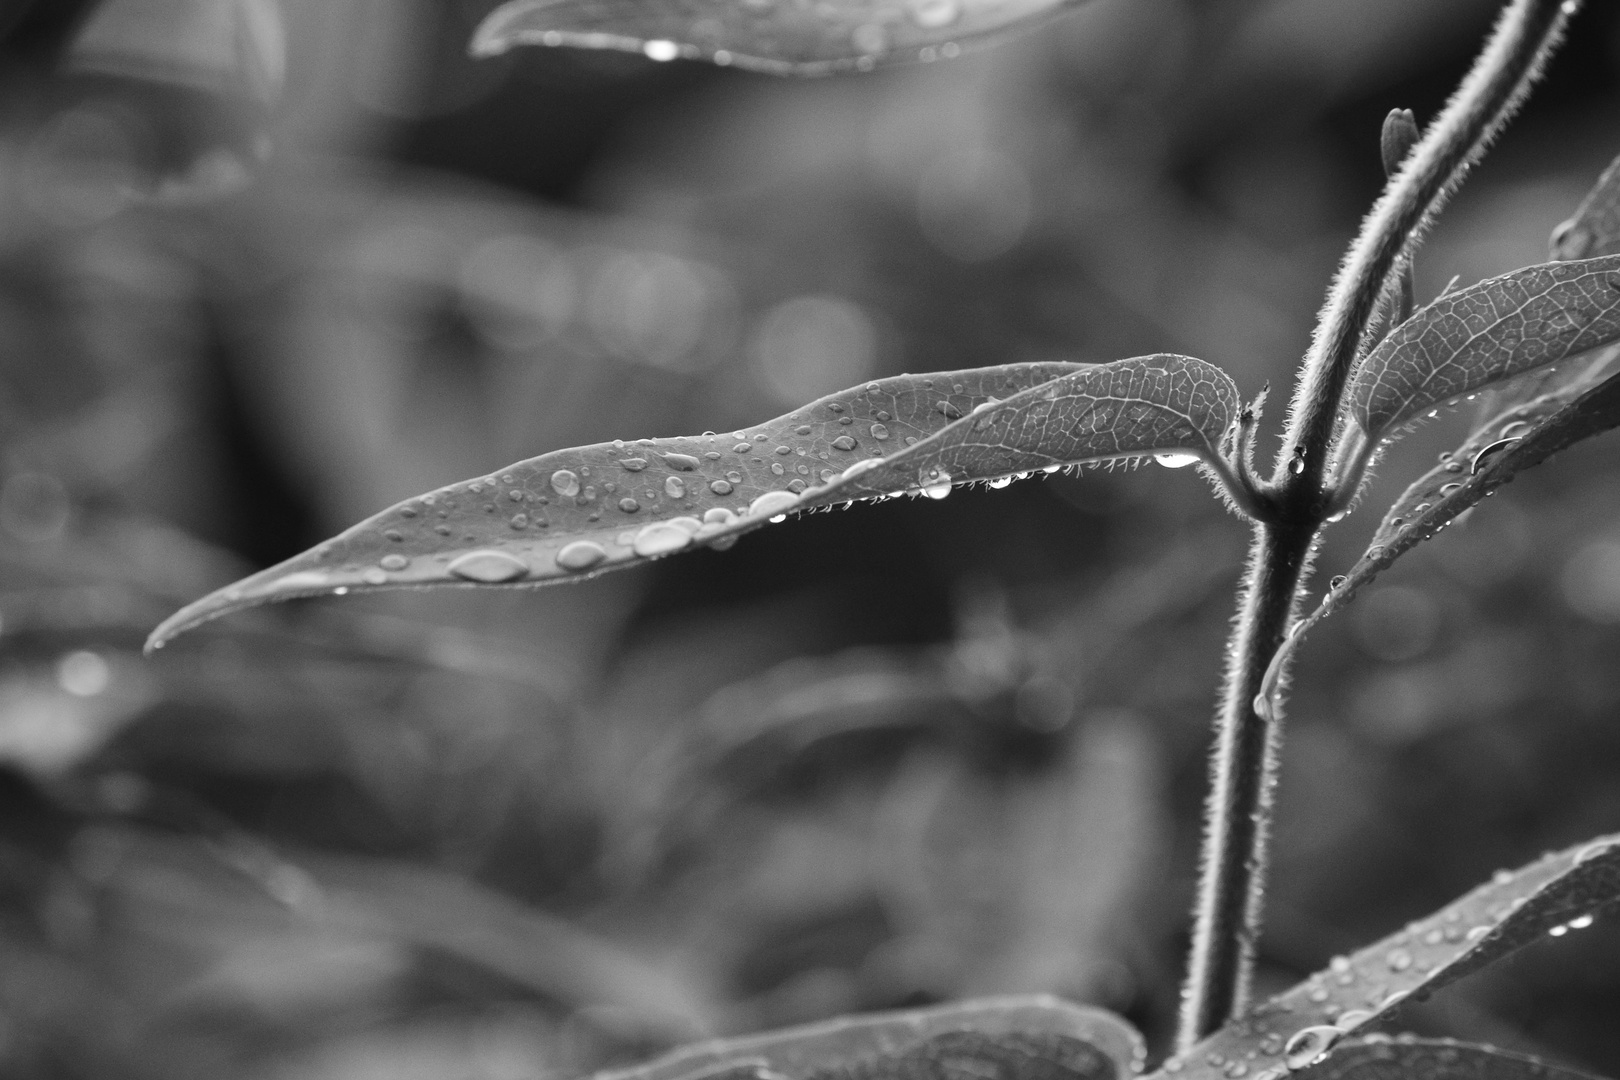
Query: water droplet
pixel 843 442
pixel 660 539
pixel 1318 994
pixel 1580 922
pixel 1172 1065
pixel 1398 959
pixel 1477 932
pixel 634 464
pixel 490 567
pixel 948 410
pixel 866 465
pixel 341 590
pixel 1176 460
pixel 776 467
pixel 300 579
pixel 827 476
pixel 1569 241
pixel 374 576
pixel 520 521
pixel 741 448
pixel 1000 482
pixel 393 535
pixel 760 437
pixel 629 505
pixel 1236 1070
pixel 771 504
pixel 1351 1019
pixel 1557 931
pixel 936 483
pixel 661 51
pixel 674 487
pixel 879 432
pixel 1296 464
pixel 564 482
pixel 580 555
pixel 394 562
pixel 1309 1045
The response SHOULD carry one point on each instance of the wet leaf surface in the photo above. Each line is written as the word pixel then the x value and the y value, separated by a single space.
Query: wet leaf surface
pixel 575 512
pixel 1489 332
pixel 1557 894
pixel 777 36
pixel 1407 1058
pixel 1004 1038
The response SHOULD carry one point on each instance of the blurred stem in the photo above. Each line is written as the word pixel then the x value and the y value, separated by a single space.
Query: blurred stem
pixel 1238 812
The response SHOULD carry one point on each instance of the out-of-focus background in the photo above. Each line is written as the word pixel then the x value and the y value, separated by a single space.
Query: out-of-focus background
pixel 277 267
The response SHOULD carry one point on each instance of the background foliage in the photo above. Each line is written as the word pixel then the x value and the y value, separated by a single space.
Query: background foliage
pixel 889 756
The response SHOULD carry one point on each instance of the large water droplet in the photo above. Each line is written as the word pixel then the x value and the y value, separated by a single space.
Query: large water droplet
pixel 674 487
pixel 1309 1045
pixel 1000 482
pixel 660 539
pixel 772 503
pixel 634 464
pixel 718 515
pixel 843 442
pixel 720 487
pixel 564 482
pixel 936 483
pixel 490 567
pixel 1176 460
pixel 879 432
pixel 580 555
pixel 682 462
pixel 661 51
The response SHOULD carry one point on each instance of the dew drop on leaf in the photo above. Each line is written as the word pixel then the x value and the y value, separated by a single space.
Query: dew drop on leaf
pixel 580 555
pixel 674 487
pixel 660 539
pixel 394 562
pixel 489 567
pixel 771 504
pixel 1000 482
pixel 1176 461
pixel 564 482
pixel 1309 1045
pixel 936 483
pixel 720 487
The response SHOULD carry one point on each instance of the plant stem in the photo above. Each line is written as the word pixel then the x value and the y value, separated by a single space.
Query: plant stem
pixel 1299 498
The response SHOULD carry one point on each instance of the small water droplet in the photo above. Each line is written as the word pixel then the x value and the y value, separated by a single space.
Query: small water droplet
pixel 879 432
pixel 1318 994
pixel 674 487
pixel 1580 922
pixel 1236 1070
pixel 1309 1045
pixel 393 535
pixel 394 562
pixel 374 576
pixel 580 555
pixel 1398 959
pixel 489 567
pixel 1172 1065
pixel 634 464
pixel 1176 460
pixel 564 482
pixel 843 442
pixel 948 410
pixel 741 448
pixel 519 521
pixel 776 467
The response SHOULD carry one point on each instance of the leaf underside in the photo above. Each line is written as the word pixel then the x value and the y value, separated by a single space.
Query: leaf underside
pixel 1502 327
pixel 1026 1037
pixel 573 513
pixel 1557 894
pixel 777 36
pixel 1408 1058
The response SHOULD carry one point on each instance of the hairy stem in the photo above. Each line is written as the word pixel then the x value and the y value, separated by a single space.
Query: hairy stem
pixel 1231 888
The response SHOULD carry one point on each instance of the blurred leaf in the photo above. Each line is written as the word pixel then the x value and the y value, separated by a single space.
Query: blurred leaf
pixel 1594 229
pixel 777 36
pixel 998 1038
pixel 1556 894
pixel 237 46
pixel 1489 332
pixel 948 428
pixel 1432 1059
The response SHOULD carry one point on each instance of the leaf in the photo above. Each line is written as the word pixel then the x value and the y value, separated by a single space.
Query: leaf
pixel 572 513
pixel 1001 1038
pixel 777 36
pixel 1594 229
pixel 1556 894
pixel 1408 1058
pixel 1499 328
pixel 1520 438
